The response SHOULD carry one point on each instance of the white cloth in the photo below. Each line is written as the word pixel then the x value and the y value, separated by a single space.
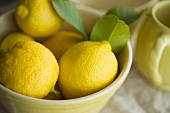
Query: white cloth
pixel 136 95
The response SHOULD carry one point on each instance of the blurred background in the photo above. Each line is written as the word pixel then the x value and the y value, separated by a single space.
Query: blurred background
pixel 6 5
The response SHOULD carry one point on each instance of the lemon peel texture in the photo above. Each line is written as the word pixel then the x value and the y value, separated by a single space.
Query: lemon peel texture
pixel 29 68
pixel 86 68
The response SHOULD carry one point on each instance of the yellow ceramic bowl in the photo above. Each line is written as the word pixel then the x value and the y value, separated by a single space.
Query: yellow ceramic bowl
pixel 17 103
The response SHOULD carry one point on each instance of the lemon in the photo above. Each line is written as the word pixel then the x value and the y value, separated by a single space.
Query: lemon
pixel 154 66
pixel 13 38
pixel 51 96
pixel 55 96
pixel 37 18
pixel 29 68
pixel 61 41
pixel 86 68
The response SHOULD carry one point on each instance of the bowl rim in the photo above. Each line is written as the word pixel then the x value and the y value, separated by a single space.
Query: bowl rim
pixel 146 5
pixel 120 78
pixel 154 10
pixel 139 7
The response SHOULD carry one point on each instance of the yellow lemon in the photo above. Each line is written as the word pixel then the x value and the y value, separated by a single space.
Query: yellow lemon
pixel 55 94
pixel 29 68
pixel 61 41
pixel 86 68
pixel 37 18
pixel 13 38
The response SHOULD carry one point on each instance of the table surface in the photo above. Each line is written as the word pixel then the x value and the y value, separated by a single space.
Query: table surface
pixel 136 95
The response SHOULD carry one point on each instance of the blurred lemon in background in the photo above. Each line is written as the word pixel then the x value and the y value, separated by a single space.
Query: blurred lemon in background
pixel 61 41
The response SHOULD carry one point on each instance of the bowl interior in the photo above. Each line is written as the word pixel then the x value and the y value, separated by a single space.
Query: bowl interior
pixel 107 4
pixel 124 59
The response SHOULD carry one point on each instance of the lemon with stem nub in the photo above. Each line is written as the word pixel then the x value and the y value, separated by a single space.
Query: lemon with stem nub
pixel 86 68
pixel 29 68
pixel 37 18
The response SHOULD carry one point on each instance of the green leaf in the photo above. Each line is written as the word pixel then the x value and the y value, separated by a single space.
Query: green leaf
pixel 69 13
pixel 128 15
pixel 112 29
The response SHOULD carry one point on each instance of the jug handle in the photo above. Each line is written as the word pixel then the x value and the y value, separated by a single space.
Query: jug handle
pixel 155 55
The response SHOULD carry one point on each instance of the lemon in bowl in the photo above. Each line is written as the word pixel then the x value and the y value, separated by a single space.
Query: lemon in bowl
pixel 13 38
pixel 37 19
pixel 26 70
pixel 61 41
pixel 91 66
